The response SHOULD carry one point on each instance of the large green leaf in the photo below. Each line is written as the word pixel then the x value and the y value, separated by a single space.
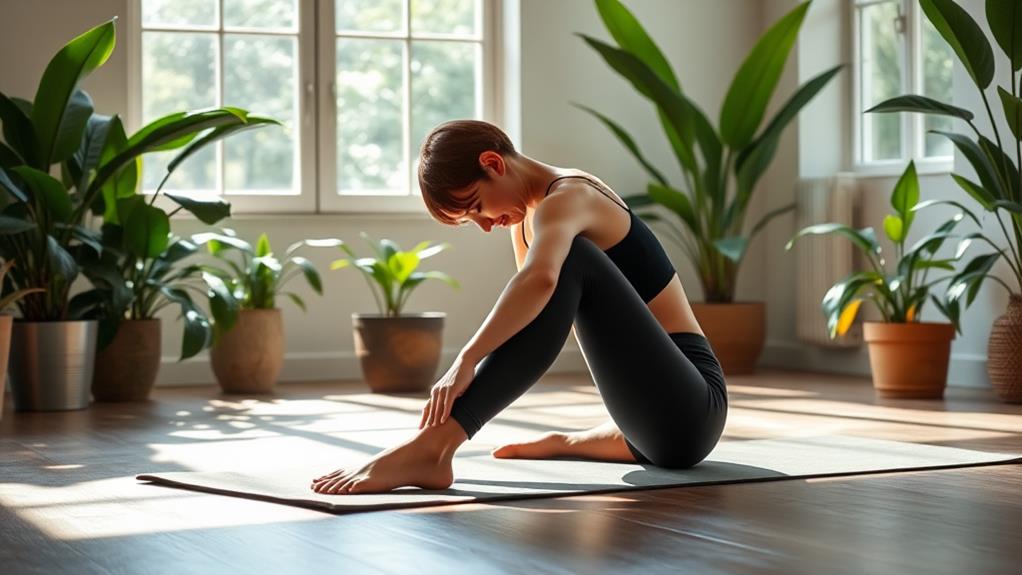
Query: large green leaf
pixel 310 273
pixel 630 35
pixel 18 131
pixel 978 192
pixel 208 211
pixel 920 104
pixel 676 201
pixel 753 160
pixel 219 133
pixel 904 197
pixel 89 153
pixel 55 137
pixel 122 183
pixel 964 36
pixel 626 140
pixel 1012 110
pixel 6 183
pixel 1005 20
pixel 11 225
pixel 72 126
pixel 146 228
pixel 863 238
pixel 673 105
pixel 50 194
pixel 978 159
pixel 754 83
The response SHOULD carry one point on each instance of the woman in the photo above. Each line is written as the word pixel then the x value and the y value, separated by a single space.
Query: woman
pixel 590 261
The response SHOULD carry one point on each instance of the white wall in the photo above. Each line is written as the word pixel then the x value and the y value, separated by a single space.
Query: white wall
pixel 704 39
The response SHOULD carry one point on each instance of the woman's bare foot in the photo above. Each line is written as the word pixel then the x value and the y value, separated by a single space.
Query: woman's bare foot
pixel 603 443
pixel 423 461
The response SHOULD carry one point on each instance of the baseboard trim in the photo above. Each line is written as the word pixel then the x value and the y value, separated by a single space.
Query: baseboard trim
pixel 323 366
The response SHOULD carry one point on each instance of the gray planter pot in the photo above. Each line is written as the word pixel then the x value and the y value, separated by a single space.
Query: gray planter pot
pixel 51 364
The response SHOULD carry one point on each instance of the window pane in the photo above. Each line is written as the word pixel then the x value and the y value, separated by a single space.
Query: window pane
pixel 260 75
pixel 938 61
pixel 445 16
pixel 177 76
pixel 179 12
pixel 444 78
pixel 881 60
pixel 370 15
pixel 260 13
pixel 370 116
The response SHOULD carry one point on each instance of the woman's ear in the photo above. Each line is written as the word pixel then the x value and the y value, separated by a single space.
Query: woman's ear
pixel 492 163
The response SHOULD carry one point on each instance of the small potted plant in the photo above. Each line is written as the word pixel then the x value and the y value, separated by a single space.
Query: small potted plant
pixel 248 342
pixel 6 319
pixel 908 358
pixel 399 352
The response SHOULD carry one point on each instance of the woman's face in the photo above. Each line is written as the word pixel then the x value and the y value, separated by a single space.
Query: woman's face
pixel 498 200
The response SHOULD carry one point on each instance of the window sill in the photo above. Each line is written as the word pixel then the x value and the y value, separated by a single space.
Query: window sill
pixel 894 169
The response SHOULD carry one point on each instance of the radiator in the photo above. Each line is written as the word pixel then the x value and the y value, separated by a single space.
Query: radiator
pixel 820 261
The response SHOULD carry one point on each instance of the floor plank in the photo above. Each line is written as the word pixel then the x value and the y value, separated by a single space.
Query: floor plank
pixel 69 502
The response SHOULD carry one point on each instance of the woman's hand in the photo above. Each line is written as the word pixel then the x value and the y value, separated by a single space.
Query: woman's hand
pixel 446 390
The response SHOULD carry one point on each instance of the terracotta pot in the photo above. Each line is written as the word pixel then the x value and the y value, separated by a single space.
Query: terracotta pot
pixel 909 360
pixel 736 332
pixel 399 353
pixel 126 369
pixel 6 320
pixel 248 357
pixel 1004 353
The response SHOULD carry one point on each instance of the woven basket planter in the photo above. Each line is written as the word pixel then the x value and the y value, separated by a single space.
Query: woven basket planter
pixel 1004 353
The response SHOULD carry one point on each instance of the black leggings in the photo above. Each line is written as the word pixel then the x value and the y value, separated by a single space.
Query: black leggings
pixel 665 391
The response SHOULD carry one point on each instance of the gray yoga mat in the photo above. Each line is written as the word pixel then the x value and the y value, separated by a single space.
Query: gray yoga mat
pixel 481 477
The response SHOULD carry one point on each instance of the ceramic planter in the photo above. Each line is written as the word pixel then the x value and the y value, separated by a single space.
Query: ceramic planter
pixel 126 369
pixel 909 360
pixel 1004 353
pixel 399 353
pixel 51 364
pixel 736 332
pixel 249 356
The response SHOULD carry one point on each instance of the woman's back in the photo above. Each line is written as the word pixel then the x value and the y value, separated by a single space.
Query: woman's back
pixel 613 225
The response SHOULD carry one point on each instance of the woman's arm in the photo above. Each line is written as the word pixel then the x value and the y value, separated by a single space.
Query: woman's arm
pixel 556 223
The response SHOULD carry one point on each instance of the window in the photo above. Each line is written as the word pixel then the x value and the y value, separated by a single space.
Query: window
pixel 357 84
pixel 898 51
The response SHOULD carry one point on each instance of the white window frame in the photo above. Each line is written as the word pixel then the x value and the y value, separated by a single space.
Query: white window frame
pixel 316 120
pixel 912 124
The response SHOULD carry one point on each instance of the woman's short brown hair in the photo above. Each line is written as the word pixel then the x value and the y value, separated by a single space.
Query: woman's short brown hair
pixel 449 160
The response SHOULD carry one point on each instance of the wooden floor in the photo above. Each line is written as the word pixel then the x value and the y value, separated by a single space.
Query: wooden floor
pixel 69 502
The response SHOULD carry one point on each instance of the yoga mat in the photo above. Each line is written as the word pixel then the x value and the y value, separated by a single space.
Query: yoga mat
pixel 481 477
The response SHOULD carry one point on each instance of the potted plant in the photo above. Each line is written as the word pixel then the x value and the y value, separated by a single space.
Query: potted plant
pixel 999 190
pixel 248 342
pixel 908 357
pixel 55 338
pixel 53 348
pixel 6 319
pixel 140 271
pixel 710 204
pixel 399 352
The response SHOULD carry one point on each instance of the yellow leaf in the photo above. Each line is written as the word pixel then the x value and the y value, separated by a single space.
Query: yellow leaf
pixel 910 315
pixel 848 316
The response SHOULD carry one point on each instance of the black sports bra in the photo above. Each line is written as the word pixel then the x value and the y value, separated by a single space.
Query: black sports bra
pixel 639 256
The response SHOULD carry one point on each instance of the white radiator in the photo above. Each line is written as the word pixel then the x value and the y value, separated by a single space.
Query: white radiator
pixel 823 260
